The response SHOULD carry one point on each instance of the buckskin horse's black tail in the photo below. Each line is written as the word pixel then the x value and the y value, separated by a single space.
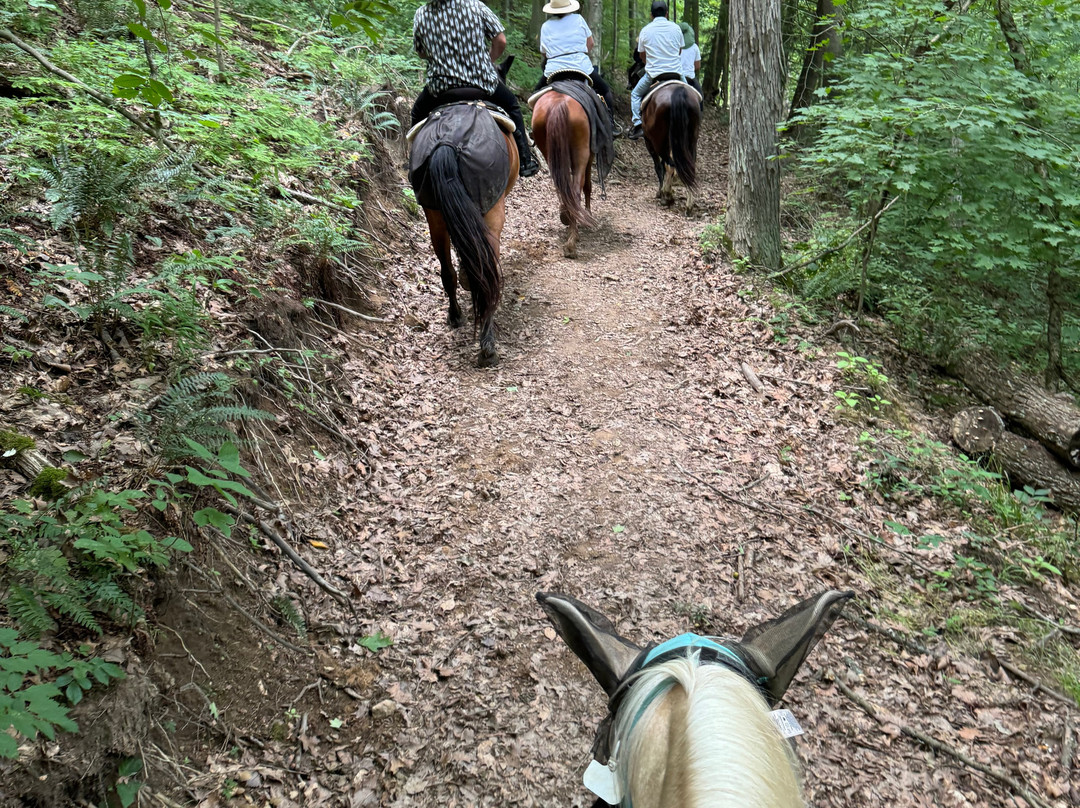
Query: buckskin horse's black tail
pixel 683 141
pixel 468 232
pixel 560 159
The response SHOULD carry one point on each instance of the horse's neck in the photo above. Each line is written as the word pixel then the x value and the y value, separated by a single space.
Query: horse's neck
pixel 705 742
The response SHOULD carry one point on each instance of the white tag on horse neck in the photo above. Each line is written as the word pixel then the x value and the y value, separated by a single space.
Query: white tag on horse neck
pixel 786 723
pixel 602 781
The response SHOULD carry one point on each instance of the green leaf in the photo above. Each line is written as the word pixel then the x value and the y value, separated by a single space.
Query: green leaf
pixel 336 723
pixel 618 528
pixel 229 459
pixel 375 642
pixel 129 767
pixel 141 6
pixel 141 31
pixel 125 81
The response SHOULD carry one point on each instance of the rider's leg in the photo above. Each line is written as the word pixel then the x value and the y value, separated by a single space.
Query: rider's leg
pixel 637 95
pixel 693 82
pixel 540 84
pixel 604 90
pixel 425 103
pixel 508 101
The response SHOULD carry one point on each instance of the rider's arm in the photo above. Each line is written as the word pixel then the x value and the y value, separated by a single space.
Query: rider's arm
pixel 589 44
pixel 697 65
pixel 642 56
pixel 498 45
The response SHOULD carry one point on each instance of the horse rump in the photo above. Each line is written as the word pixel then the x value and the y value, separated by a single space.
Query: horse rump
pixel 469 234
pixel 684 118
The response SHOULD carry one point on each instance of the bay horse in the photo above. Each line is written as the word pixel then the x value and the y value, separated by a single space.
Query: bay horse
pixel 670 118
pixel 467 210
pixel 690 721
pixel 561 130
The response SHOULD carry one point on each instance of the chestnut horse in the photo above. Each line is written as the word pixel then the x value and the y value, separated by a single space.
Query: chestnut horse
pixel 561 130
pixel 456 219
pixel 670 119
pixel 690 721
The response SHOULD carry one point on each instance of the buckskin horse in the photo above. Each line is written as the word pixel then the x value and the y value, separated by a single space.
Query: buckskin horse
pixel 561 130
pixel 690 721
pixel 670 117
pixel 462 165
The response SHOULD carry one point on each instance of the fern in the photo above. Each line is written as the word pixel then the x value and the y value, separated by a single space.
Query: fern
pixel 290 614
pixel 198 407
pixel 28 612
pixel 73 605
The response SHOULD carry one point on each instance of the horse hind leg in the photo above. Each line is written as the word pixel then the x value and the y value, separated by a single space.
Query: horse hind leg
pixel 667 191
pixel 570 248
pixel 440 242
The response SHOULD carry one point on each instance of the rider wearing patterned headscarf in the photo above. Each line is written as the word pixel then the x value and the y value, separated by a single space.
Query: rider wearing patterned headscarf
pixel 453 36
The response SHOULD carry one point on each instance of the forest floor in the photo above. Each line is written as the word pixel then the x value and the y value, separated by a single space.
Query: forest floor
pixel 616 453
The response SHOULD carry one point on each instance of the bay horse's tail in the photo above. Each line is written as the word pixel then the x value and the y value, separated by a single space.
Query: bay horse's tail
pixel 683 107
pixel 560 157
pixel 468 232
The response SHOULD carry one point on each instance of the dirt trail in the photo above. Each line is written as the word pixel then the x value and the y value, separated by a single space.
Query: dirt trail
pixel 615 453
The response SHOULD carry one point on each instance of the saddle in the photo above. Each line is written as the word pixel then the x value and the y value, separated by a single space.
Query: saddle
pixel 663 80
pixel 559 75
pixel 455 99
pixel 476 134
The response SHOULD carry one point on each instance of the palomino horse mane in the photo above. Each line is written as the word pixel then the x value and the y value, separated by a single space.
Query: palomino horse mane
pixel 699 736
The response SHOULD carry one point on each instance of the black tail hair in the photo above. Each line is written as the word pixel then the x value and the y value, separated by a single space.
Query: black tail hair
pixel 681 139
pixel 561 164
pixel 468 232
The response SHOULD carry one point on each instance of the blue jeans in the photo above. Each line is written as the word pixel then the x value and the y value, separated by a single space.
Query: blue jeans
pixel 640 90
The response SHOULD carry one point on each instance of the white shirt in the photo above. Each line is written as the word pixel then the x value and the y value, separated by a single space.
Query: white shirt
pixel 689 56
pixel 662 42
pixel 562 41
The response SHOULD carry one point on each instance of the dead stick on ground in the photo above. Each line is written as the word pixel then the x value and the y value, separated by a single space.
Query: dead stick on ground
pixel 750 376
pixel 1031 680
pixel 1068 746
pixel 366 317
pixel 938 746
pixel 287 549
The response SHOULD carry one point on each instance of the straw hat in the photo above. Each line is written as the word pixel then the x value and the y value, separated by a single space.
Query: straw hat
pixel 562 7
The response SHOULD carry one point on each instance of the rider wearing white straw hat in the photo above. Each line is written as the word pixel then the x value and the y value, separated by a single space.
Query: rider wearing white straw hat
pixel 565 42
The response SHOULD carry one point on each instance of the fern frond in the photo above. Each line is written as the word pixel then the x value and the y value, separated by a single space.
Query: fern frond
pixel 27 611
pixel 73 606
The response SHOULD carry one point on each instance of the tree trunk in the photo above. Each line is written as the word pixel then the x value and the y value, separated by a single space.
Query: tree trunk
pixel 594 10
pixel 1052 420
pixel 753 216
pixel 614 36
pixel 980 431
pixel 692 15
pixel 535 21
pixel 218 50
pixel 631 24
pixel 1055 314
pixel 716 62
pixel 825 46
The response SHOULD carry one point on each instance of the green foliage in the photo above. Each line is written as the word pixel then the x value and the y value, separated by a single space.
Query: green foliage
pixel 290 614
pixel 362 15
pixel 983 158
pixel 868 382
pixel 197 408
pixel 74 558
pixel 14 442
pixel 375 642
pixel 29 705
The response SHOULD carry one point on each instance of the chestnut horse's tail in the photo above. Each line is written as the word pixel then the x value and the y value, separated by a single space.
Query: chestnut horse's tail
pixel 468 232
pixel 560 158
pixel 682 114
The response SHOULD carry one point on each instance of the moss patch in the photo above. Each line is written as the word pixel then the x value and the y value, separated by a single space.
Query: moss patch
pixel 49 484
pixel 13 440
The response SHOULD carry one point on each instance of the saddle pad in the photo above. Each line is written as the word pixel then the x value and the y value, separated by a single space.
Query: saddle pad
pixel 536 96
pixel 656 87
pixel 482 155
pixel 501 118
pixel 600 134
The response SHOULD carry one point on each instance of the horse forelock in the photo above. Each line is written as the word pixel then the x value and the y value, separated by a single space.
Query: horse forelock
pixel 694 735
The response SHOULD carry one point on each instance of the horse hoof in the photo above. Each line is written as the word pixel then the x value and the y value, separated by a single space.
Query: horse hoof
pixel 569 252
pixel 456 322
pixel 564 217
pixel 486 358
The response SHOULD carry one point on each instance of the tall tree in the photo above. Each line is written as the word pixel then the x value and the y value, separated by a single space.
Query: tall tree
pixel 692 15
pixel 826 45
pixel 757 75
pixel 536 20
pixel 594 15
pixel 631 22
pixel 716 63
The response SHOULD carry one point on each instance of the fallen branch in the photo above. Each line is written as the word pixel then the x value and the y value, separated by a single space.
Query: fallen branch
pixel 314 200
pixel 1031 680
pixel 338 306
pixel 939 746
pixel 751 377
pixel 813 260
pixel 288 550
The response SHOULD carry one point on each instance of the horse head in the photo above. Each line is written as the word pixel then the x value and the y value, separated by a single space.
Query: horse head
pixel 689 721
